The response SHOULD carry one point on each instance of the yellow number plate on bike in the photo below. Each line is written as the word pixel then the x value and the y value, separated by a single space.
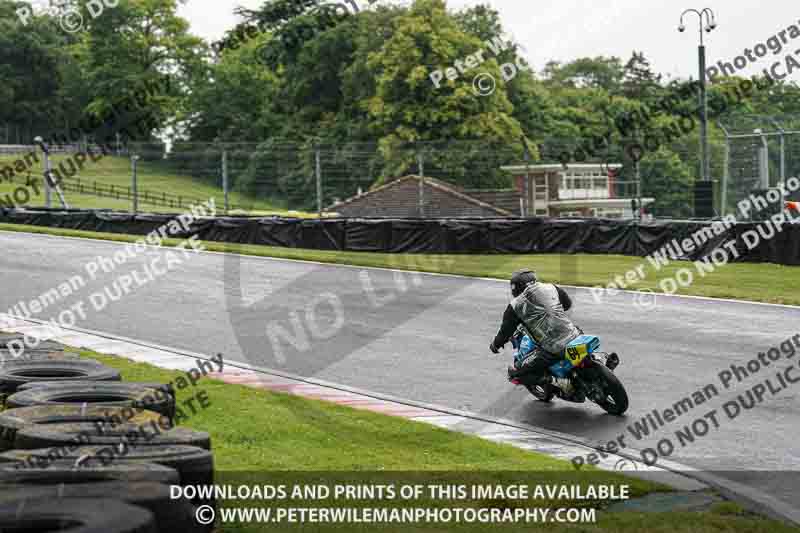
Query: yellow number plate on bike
pixel 576 354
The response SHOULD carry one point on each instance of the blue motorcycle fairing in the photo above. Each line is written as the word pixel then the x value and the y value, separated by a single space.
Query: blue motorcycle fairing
pixel 562 368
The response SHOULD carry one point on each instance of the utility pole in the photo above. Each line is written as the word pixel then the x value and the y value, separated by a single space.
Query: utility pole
pixel 319 183
pixel 421 165
pixel 706 15
pixel 49 182
pixel 225 178
pixel 526 182
pixel 135 184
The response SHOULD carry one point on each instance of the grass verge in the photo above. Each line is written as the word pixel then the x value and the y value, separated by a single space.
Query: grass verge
pixel 112 170
pixel 268 436
pixel 760 282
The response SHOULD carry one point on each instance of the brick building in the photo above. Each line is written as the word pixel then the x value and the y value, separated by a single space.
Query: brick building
pixel 582 190
pixel 401 198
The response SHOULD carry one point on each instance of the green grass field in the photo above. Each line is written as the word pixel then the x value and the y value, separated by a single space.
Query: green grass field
pixel 116 171
pixel 262 437
pixel 754 282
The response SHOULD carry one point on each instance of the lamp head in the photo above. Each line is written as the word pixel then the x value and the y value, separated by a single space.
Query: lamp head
pixel 681 28
pixel 38 139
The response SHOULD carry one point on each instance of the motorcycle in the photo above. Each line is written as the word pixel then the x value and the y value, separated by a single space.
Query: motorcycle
pixel 584 373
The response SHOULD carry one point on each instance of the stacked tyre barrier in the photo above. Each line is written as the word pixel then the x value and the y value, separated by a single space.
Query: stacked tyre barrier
pixel 81 450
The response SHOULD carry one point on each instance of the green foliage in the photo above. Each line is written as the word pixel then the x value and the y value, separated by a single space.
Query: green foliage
pixel 38 76
pixel 669 182
pixel 600 72
pixel 299 74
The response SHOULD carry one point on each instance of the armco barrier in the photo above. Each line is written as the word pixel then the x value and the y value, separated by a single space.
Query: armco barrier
pixel 531 236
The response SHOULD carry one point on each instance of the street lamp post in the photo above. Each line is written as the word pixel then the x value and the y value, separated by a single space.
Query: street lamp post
pixel 635 153
pixel 707 16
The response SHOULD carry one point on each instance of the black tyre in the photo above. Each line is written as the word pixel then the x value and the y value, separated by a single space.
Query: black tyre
pixel 615 399
pixel 5 338
pixel 43 355
pixel 80 516
pixel 71 473
pixel 166 387
pixel 171 515
pixel 9 341
pixel 195 465
pixel 87 434
pixel 104 394
pixel 16 373
pixel 14 420
pixel 542 391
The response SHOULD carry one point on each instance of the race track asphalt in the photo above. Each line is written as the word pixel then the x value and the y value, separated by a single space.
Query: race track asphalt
pixel 425 338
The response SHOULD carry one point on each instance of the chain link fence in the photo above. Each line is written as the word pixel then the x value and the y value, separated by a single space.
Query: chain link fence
pixel 760 153
pixel 555 177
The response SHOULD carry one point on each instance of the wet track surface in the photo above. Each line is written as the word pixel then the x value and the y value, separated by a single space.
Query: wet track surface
pixel 426 338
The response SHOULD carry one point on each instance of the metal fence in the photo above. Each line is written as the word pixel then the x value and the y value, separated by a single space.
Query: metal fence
pixel 760 153
pixel 556 177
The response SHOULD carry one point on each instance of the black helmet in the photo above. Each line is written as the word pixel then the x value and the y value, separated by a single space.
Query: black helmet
pixel 521 279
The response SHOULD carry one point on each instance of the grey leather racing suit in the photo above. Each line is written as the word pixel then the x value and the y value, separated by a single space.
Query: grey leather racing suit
pixel 541 310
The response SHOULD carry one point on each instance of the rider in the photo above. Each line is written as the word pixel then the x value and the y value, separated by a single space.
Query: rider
pixel 541 310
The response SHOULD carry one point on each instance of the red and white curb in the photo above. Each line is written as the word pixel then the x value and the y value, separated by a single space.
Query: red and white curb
pixel 675 475
pixel 244 374
pixel 557 445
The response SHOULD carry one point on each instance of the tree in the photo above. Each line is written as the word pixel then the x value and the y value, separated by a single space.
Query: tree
pixel 639 81
pixel 669 180
pixel 141 43
pixel 408 108
pixel 594 73
pixel 42 85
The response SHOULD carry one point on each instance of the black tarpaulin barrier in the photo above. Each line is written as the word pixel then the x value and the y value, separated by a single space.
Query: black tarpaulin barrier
pixel 366 235
pixel 791 252
pixel 286 233
pixel 751 242
pixel 233 230
pixel 466 236
pixel 146 223
pixel 520 236
pixel 561 236
pixel 323 234
pixel 762 242
pixel 618 236
pixel 116 223
pixel 417 236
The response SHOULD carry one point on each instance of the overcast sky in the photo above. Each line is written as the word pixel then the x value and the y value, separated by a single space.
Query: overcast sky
pixel 568 29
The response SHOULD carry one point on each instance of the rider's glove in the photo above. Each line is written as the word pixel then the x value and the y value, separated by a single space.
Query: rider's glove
pixel 494 349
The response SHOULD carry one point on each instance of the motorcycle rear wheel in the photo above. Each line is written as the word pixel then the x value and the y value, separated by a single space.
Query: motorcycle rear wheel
pixel 615 399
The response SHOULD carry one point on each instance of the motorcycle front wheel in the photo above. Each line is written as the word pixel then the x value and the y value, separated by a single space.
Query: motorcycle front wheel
pixel 542 391
pixel 614 399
